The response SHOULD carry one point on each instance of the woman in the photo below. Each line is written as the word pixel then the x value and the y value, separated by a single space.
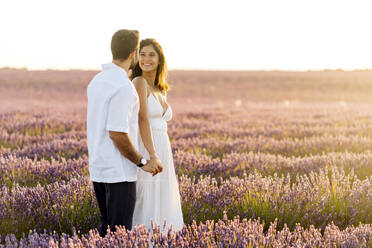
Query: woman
pixel 158 197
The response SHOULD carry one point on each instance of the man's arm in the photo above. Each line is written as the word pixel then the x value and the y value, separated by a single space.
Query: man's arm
pixel 125 145
pixel 119 109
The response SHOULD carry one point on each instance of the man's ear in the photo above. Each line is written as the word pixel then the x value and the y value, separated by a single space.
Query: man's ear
pixel 132 55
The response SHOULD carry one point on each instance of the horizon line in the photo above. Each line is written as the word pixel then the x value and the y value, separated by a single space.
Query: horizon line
pixel 191 69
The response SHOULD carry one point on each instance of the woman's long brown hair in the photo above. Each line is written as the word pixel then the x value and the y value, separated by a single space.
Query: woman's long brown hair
pixel 161 71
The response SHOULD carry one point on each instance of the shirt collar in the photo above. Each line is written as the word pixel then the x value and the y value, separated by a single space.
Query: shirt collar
pixel 112 66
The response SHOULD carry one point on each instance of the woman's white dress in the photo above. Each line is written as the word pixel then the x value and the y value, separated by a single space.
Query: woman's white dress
pixel 158 197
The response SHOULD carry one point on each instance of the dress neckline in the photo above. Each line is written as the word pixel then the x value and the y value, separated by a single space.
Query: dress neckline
pixel 161 106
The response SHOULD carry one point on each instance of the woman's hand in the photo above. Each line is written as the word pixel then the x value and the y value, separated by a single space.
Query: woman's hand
pixel 153 155
pixel 157 165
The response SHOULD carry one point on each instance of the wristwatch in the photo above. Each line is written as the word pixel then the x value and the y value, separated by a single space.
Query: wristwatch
pixel 142 163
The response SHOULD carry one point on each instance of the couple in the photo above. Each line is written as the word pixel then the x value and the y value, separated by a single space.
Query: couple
pixel 130 158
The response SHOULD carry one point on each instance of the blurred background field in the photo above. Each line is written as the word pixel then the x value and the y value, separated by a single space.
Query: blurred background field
pixel 281 147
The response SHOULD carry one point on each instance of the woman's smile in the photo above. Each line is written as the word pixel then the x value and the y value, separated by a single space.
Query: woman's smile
pixel 148 58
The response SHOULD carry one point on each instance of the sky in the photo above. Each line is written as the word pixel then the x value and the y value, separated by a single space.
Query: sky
pixel 195 34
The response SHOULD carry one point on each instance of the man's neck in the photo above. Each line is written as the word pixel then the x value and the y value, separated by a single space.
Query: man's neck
pixel 123 64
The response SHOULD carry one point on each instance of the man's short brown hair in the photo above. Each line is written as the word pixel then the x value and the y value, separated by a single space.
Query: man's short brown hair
pixel 123 43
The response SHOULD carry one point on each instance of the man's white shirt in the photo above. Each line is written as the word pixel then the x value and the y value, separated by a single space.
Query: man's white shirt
pixel 113 105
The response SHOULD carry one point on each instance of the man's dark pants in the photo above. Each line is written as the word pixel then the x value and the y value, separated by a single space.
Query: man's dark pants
pixel 116 203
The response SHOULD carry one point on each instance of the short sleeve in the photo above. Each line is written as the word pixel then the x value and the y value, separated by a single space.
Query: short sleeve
pixel 119 110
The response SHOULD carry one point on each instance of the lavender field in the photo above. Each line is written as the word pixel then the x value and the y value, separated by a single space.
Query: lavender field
pixel 264 159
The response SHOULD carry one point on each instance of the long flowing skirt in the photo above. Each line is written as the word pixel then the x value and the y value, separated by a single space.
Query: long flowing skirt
pixel 158 197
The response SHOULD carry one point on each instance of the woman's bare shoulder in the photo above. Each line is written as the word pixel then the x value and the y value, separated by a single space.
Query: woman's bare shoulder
pixel 141 85
pixel 140 81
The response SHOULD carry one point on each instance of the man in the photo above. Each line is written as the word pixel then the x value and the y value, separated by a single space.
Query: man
pixel 112 133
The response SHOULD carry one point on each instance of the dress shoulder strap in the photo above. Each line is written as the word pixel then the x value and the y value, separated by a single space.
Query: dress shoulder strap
pixel 148 89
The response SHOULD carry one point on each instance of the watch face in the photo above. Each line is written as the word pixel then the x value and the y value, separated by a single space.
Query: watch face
pixel 143 161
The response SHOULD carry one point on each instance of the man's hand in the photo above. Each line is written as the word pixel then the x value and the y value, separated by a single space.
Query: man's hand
pixel 149 169
pixel 153 166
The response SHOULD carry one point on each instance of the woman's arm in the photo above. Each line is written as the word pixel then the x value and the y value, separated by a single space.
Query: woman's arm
pixel 143 121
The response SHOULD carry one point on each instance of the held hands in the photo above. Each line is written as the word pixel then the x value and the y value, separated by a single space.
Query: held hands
pixel 153 166
pixel 158 164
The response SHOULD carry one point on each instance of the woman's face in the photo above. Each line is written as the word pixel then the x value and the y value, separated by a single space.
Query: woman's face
pixel 148 59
